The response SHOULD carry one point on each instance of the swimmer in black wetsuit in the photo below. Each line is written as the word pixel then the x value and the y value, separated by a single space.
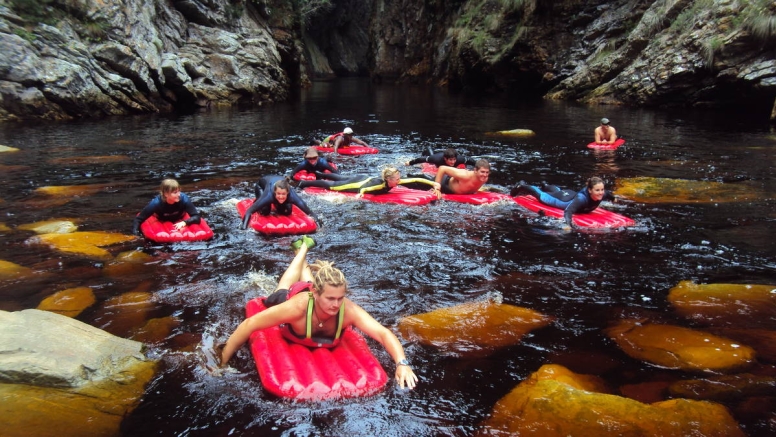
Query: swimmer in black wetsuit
pixel 389 178
pixel 448 157
pixel 313 163
pixel 275 190
pixel 571 202
pixel 169 206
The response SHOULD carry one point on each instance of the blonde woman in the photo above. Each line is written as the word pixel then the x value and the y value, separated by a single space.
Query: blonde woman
pixel 311 308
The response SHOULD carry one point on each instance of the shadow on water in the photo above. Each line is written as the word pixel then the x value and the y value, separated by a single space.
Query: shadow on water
pixel 399 260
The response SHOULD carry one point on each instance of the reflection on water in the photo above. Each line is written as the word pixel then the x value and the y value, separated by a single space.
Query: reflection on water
pixel 400 261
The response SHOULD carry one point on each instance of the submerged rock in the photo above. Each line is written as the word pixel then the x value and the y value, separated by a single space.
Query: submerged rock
pixel 61 377
pixel 7 149
pixel 680 348
pixel 88 244
pixel 70 302
pixel 50 227
pixel 123 314
pixel 127 264
pixel 663 190
pixel 733 303
pixel 556 402
pixel 725 387
pixel 513 133
pixel 10 271
pixel 472 328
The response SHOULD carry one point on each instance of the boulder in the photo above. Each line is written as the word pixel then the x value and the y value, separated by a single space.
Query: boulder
pixel 677 347
pixel 61 377
pixel 719 303
pixel 472 328
pixel 557 402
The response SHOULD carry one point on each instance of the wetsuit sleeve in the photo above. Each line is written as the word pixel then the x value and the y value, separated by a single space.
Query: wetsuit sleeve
pixel 578 203
pixel 374 186
pixel 608 195
pixel 326 166
pixel 257 205
pixel 191 210
pixel 424 181
pixel 147 212
pixel 466 161
pixel 296 200
pixel 420 160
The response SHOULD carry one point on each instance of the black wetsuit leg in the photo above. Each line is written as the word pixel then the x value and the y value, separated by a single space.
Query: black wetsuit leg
pixel 278 297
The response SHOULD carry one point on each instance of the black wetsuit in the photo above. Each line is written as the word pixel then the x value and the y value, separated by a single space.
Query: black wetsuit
pixel 166 212
pixel 265 199
pixel 362 184
pixel 438 159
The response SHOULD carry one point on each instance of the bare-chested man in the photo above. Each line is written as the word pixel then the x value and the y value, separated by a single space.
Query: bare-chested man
pixel 605 134
pixel 461 181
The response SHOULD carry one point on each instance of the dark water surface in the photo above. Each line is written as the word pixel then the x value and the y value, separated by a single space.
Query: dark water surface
pixel 399 260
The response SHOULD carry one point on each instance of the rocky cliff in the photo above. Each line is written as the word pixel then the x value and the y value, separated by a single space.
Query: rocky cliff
pixel 64 59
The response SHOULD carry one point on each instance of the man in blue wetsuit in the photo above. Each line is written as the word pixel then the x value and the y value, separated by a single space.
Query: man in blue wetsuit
pixel 571 202
pixel 275 191
pixel 448 157
pixel 313 163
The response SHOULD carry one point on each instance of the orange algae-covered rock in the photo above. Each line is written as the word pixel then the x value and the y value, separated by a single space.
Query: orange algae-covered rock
pixel 70 302
pixel 561 403
pixel 88 244
pixel 127 264
pixel 663 190
pixel 123 314
pixel 472 327
pixel 680 348
pixel 731 302
pixel 156 330
pixel 13 271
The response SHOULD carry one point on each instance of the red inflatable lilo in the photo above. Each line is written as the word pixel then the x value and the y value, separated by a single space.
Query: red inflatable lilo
pixel 163 232
pixel 296 223
pixel 291 370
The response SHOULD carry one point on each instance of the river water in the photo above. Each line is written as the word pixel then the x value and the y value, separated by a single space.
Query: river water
pixel 399 260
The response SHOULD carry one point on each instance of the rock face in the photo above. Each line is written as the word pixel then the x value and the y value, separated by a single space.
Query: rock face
pixel 90 58
pixel 122 57
pixel 61 377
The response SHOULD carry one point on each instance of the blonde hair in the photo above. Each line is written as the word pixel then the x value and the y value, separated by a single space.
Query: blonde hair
pixel 168 186
pixel 324 273
pixel 389 172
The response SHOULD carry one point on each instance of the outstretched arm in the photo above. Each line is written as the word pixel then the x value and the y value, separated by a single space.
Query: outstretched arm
pixel 273 316
pixel 371 327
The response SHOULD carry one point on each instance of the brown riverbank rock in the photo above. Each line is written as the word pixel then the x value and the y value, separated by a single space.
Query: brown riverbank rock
pixel 557 402
pixel 11 271
pixel 472 328
pixel 61 377
pixel 680 348
pixel 721 303
pixel 70 302
pixel 725 388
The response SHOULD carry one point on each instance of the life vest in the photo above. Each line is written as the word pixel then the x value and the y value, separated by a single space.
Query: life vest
pixel 308 340
pixel 330 139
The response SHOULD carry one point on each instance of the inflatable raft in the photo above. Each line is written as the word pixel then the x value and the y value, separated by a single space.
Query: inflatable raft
pixel 354 149
pixel 294 371
pixel 478 198
pixel 617 143
pixel 164 232
pixel 399 194
pixel 296 223
pixel 598 218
